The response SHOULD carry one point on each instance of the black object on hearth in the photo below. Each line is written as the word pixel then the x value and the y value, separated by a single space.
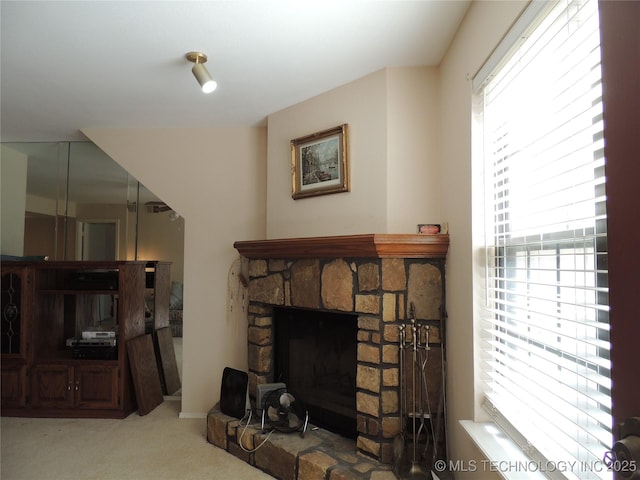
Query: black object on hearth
pixel 233 392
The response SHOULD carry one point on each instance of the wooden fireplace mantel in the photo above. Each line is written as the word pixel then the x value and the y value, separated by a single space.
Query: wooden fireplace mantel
pixel 371 245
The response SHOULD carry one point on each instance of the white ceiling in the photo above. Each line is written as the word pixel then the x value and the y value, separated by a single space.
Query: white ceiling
pixel 78 64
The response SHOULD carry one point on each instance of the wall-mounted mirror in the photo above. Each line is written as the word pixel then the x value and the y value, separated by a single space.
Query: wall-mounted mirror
pixel 79 204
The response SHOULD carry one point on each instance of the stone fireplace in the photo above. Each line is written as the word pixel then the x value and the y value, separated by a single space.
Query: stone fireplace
pixel 375 277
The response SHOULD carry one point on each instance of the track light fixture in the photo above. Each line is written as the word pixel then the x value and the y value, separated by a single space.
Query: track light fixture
pixel 205 80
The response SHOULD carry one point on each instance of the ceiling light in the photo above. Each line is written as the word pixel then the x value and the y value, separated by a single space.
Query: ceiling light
pixel 205 80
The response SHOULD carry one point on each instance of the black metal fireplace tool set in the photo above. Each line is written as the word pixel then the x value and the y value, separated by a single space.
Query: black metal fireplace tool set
pixel 418 427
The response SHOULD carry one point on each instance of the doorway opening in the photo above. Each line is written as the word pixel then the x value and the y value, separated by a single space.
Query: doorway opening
pixel 97 240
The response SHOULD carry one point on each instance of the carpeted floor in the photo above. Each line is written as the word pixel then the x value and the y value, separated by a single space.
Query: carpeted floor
pixel 157 446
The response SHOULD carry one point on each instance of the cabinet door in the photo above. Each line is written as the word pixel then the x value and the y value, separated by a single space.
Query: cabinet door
pixel 14 384
pixel 16 291
pixel 16 287
pixel 51 386
pixel 96 386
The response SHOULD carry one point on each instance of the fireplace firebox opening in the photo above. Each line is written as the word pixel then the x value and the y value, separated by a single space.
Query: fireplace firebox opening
pixel 315 355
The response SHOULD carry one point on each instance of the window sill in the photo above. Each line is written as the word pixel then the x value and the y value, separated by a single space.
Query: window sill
pixel 504 457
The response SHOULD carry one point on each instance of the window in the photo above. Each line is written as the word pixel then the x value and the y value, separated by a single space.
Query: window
pixel 545 329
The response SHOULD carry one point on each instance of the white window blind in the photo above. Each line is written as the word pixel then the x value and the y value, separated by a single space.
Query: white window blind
pixel 545 336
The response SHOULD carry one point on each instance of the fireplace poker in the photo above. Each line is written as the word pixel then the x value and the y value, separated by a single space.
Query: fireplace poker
pixel 414 332
pixel 399 441
pixel 424 388
pixel 403 399
pixel 416 470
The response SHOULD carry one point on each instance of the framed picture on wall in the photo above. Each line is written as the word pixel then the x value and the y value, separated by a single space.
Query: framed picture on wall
pixel 320 163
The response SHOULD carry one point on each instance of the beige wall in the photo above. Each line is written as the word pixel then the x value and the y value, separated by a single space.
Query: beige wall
pixel 362 105
pixel 215 179
pixel 392 118
pixel 413 163
pixel 483 27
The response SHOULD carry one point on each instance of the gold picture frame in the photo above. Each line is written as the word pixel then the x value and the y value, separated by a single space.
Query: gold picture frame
pixel 320 163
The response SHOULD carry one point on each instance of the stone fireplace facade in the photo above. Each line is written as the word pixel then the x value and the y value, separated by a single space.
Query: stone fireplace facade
pixel 376 277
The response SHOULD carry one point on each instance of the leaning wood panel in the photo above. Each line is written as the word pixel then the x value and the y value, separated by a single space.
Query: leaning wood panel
pixel 167 360
pixel 146 379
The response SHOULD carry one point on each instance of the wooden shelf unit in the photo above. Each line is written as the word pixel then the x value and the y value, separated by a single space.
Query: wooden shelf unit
pixel 58 300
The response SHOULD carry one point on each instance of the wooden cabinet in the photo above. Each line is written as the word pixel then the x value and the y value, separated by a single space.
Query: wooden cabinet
pixel 81 386
pixel 96 386
pixel 44 372
pixel 51 386
pixel 17 300
pixel 14 384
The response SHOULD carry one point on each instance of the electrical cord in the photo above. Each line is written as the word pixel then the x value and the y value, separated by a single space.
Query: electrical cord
pixel 250 414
